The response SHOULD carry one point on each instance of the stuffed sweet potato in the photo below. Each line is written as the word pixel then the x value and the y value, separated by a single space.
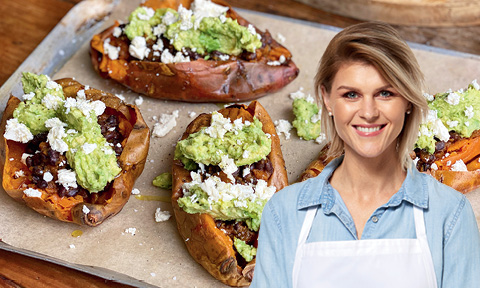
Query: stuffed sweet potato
pixel 227 165
pixel 34 172
pixel 167 54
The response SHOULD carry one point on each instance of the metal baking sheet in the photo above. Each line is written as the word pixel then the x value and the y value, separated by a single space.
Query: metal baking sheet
pixel 156 253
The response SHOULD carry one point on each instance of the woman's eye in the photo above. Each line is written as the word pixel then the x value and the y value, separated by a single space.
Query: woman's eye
pixel 350 95
pixel 386 94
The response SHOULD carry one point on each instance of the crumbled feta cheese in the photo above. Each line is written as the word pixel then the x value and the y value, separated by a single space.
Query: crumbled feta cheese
pixel 88 148
pixel 228 165
pixel 453 98
pixel 117 32
pixel 185 16
pixel 139 101
pixel 47 176
pixel 281 38
pixel 56 134
pixel 152 274
pixel 158 46
pixel 19 173
pixel 169 18
pixel 300 95
pixel 17 131
pixel 53 85
pixel 85 209
pixel 246 154
pixel 321 138
pixel 206 8
pixel 111 51
pixel 131 231
pixel 274 63
pixel 161 216
pixel 475 84
pixel 283 127
pixel 192 114
pixel 149 12
pixel 459 166
pixel 166 124
pixel 452 124
pixel 28 96
pixel 120 96
pixel 67 178
pixel 30 192
pixel 51 101
pixel 224 57
pixel 71 246
pixel 166 57
pixel 158 31
pixel 434 166
pixel 138 48
pixel 469 112
pixel 135 191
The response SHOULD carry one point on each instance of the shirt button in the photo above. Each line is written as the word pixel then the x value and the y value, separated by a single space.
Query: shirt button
pixel 374 219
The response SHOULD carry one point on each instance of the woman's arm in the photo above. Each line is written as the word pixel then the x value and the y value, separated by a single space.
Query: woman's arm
pixel 462 250
pixel 270 260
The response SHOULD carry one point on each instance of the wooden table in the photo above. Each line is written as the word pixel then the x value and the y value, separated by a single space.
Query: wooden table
pixel 25 23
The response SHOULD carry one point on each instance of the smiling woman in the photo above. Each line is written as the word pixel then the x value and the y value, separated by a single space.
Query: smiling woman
pixel 412 228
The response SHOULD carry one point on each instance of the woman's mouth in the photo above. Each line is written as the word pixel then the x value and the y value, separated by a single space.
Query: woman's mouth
pixel 368 130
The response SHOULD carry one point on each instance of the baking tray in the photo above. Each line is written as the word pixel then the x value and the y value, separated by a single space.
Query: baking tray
pixel 156 254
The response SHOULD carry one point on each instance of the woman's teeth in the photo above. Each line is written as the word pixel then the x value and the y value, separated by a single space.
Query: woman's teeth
pixel 368 129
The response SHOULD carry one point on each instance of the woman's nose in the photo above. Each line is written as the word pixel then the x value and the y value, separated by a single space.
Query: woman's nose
pixel 369 109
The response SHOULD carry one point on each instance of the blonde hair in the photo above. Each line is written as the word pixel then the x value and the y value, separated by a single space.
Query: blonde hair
pixel 380 45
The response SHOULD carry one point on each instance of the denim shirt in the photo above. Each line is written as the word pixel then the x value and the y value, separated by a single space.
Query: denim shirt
pixel 451 227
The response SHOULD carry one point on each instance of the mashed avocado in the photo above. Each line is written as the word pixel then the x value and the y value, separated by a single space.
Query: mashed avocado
pixel 452 111
pixel 44 96
pixel 70 130
pixel 245 250
pixel 222 200
pixel 304 112
pixel 210 34
pixel 245 145
pixel 163 181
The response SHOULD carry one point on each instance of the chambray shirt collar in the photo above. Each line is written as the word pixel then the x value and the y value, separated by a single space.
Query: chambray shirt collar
pixel 318 191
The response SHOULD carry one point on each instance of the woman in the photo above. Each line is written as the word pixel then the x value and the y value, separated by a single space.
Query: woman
pixel 370 219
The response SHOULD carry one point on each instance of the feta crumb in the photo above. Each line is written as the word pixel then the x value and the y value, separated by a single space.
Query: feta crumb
pixel 51 101
pixel 192 114
pixel 85 209
pixel 47 176
pixel 161 216
pixel 153 274
pixel 28 96
pixel 283 126
pixel 158 31
pixel 281 38
pixel 246 171
pixel 135 191
pixel 117 32
pixel 19 173
pixel 67 178
pixel 138 48
pixel 434 166
pixel 120 96
pixel 453 98
pixel 139 101
pixel 300 95
pixel 149 12
pixel 459 166
pixel 169 18
pixel 71 246
pixel 17 131
pixel 24 158
pixel 469 112
pixel 30 192
pixel 111 51
pixel 166 123
pixel 452 123
pixel 321 138
pixel 88 148
pixel 131 231
pixel 475 84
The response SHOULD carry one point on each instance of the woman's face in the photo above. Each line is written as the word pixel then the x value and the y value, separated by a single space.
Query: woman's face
pixel 367 111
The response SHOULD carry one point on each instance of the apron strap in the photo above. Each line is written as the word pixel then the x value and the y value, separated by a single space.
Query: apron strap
pixel 422 238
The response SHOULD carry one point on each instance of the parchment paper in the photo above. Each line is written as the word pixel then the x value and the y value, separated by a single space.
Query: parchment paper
pixel 156 254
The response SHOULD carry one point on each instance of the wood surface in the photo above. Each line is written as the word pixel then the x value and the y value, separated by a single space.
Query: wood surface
pixel 427 13
pixel 25 23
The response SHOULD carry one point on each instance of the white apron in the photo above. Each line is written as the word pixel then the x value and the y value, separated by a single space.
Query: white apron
pixel 405 263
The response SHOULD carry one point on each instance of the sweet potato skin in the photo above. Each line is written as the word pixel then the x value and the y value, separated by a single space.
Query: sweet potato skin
pixel 207 244
pixel 199 80
pixel 70 209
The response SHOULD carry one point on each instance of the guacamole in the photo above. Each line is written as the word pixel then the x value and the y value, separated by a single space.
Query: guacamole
pixel 193 29
pixel 245 250
pixel 163 181
pixel 452 111
pixel 72 128
pixel 244 143
pixel 226 201
pixel 307 120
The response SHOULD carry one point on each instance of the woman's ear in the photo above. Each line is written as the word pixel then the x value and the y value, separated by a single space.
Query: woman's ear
pixel 326 98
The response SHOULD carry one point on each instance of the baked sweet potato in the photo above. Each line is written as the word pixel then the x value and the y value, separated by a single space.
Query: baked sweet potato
pixel 208 240
pixel 239 78
pixel 132 136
